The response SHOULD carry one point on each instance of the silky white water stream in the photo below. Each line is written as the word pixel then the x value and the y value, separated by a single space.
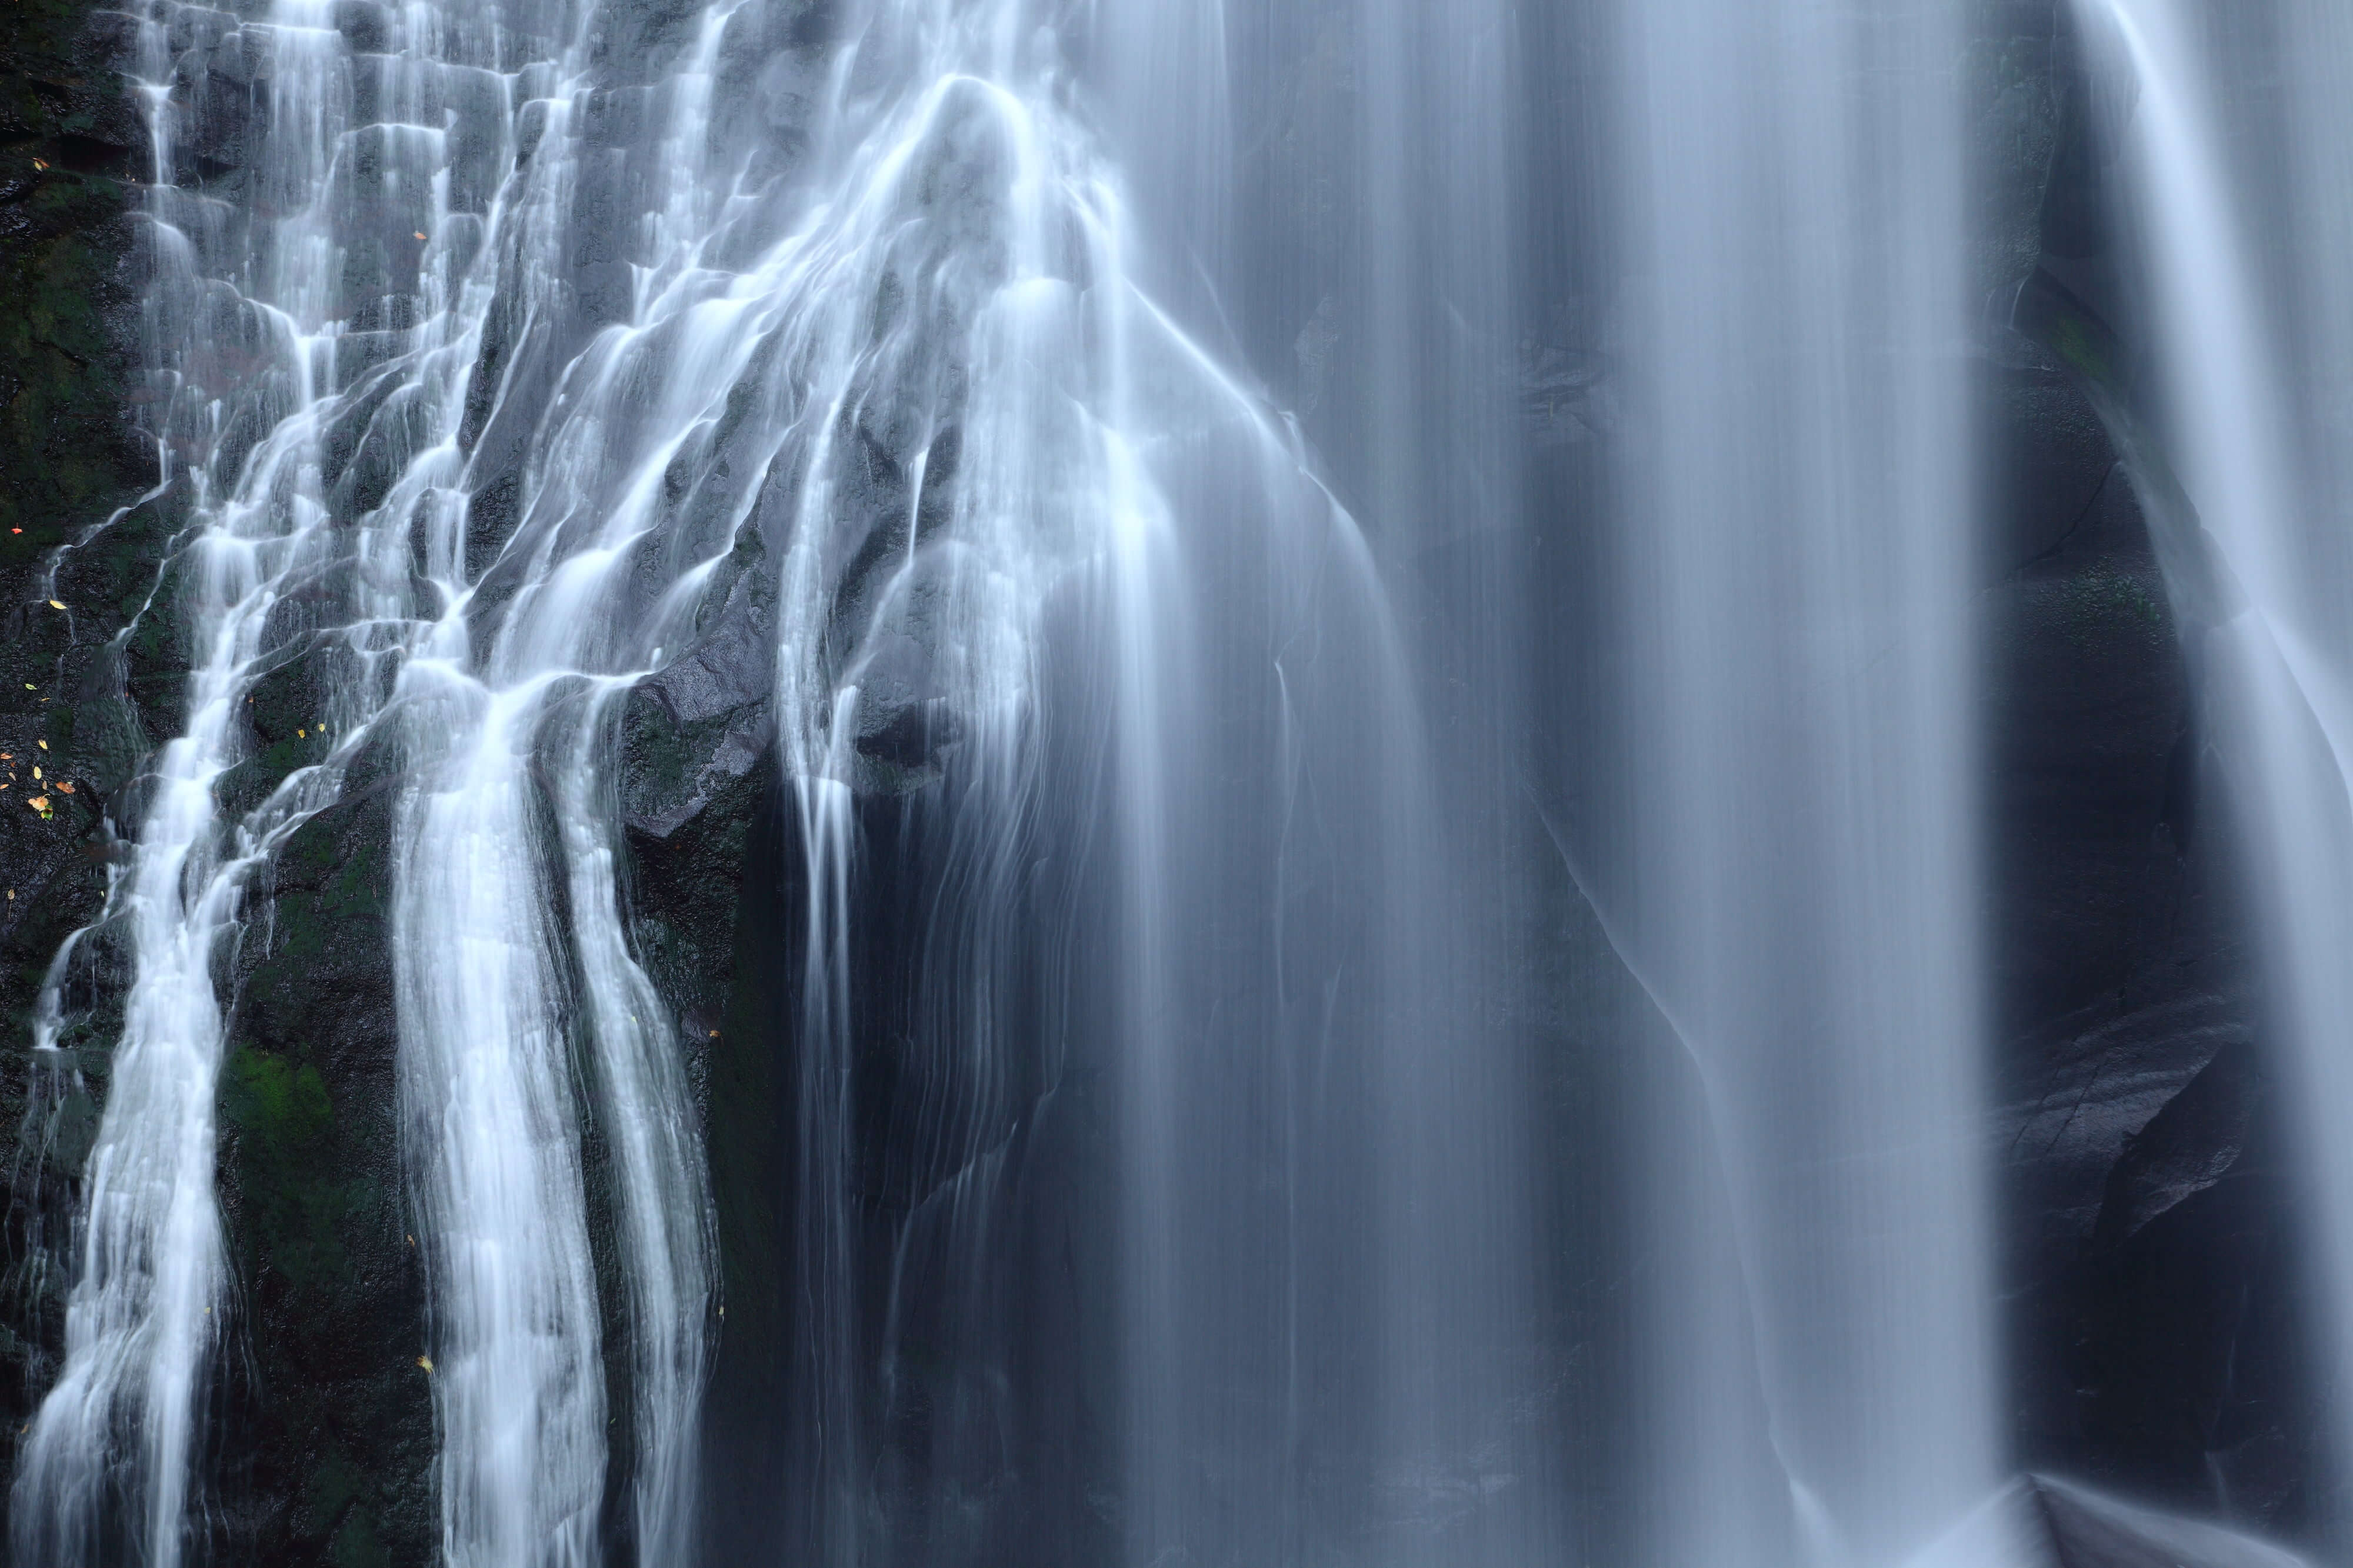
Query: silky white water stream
pixel 1821 1362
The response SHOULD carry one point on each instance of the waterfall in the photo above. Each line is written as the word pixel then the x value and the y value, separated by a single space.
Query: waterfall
pixel 1317 669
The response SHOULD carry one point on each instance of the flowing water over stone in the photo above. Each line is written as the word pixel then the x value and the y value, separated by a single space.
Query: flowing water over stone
pixel 1317 659
pixel 517 387
pixel 110 1463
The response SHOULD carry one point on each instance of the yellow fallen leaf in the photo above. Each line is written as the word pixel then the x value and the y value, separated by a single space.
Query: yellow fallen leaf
pixel 43 744
pixel 57 604
pixel 300 736
pixel 426 1362
pixel 37 773
pixel 39 164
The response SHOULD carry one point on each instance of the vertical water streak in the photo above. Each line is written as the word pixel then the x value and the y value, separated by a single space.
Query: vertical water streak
pixel 1472 1402
pixel 1799 781
pixel 1018 516
pixel 667 1246
pixel 486 1093
pixel 514 966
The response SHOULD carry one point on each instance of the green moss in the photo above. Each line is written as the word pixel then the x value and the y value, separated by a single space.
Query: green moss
pixel 356 1544
pixel 65 131
pixel 113 572
pixel 297 1203
pixel 338 1512
pixel 286 1105
pixel 336 1485
pixel 341 892
pixel 62 390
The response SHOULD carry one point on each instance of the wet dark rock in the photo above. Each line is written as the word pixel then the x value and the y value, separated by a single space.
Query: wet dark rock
pixel 328 1441
pixel 2017 112
pixel 909 738
pixel 693 731
pixel 605 292
pixel 993 1437
pixel 290 713
pixel 1568 396
pixel 213 83
pixel 2193 1144
pixel 738 955
pixel 365 25
pixel 638 43
pixel 2157 1347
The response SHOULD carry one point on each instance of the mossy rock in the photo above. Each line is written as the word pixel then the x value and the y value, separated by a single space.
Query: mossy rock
pixel 288 714
pixel 66 134
pixel 328 1444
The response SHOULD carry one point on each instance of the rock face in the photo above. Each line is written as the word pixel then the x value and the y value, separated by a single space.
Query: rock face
pixel 2150 1218
pixel 330 1430
pixel 2150 1215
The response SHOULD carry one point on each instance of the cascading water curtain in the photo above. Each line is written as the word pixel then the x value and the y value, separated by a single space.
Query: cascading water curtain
pixel 1078 657
pixel 1799 776
pixel 552 355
